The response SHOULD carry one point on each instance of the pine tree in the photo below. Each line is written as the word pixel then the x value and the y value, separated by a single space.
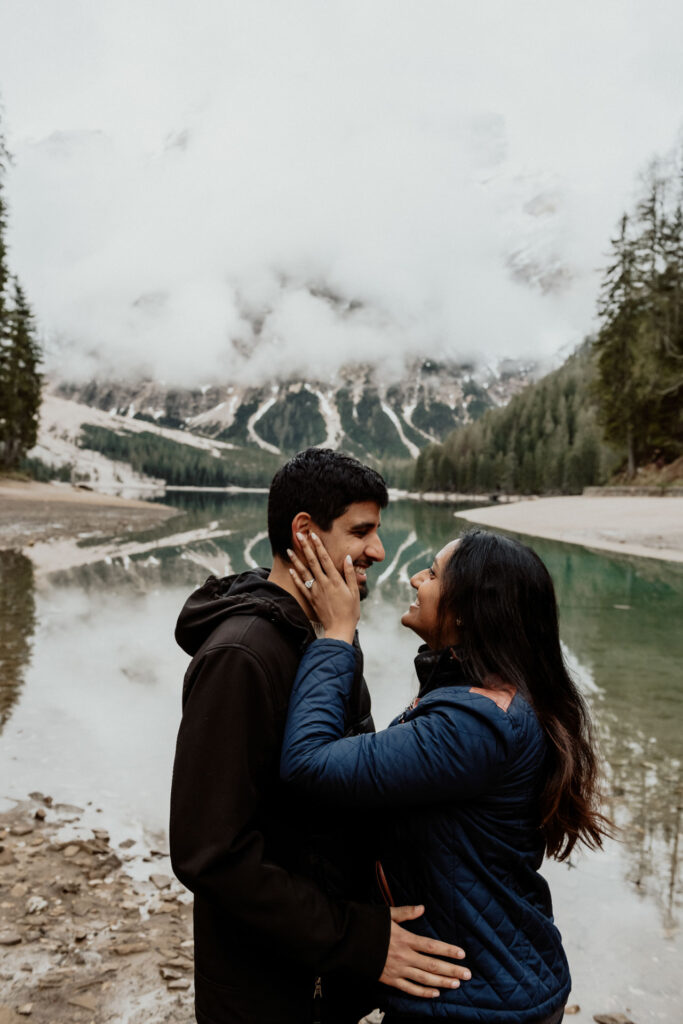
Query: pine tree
pixel 640 344
pixel 4 159
pixel 667 412
pixel 20 379
pixel 4 325
pixel 620 310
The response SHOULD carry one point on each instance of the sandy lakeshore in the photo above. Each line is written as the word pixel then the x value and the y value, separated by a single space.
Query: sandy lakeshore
pixel 642 526
pixel 34 513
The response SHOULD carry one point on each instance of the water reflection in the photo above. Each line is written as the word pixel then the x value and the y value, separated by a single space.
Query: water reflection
pixel 229 536
pixel 17 625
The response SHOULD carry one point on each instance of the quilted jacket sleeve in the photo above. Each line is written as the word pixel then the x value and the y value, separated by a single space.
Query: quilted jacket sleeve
pixel 446 750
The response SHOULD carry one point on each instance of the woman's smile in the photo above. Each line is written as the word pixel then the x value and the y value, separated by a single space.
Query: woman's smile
pixel 423 614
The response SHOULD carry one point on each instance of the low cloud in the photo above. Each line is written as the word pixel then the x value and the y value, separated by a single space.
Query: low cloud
pixel 228 191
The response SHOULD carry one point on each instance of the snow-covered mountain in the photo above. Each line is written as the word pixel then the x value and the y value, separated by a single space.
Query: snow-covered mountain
pixel 356 411
pixel 118 434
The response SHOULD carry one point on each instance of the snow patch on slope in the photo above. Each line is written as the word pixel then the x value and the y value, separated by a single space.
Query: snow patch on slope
pixel 412 448
pixel 408 411
pixel 253 420
pixel 59 431
pixel 221 415
pixel 330 413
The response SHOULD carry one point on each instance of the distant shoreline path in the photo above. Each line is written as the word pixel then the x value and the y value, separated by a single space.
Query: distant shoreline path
pixel 641 526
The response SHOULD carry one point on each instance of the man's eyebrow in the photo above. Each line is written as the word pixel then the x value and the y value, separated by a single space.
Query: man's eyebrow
pixel 369 525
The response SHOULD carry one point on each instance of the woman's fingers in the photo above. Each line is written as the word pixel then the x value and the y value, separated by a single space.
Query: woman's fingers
pixel 351 578
pixel 323 557
pixel 301 569
pixel 298 582
pixel 311 557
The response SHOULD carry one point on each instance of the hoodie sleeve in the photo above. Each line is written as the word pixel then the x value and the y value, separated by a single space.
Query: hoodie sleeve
pixel 444 752
pixel 227 754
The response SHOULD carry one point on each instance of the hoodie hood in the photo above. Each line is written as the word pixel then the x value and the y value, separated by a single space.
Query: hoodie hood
pixel 247 593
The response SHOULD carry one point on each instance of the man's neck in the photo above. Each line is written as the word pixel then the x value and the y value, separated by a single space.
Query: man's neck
pixel 281 576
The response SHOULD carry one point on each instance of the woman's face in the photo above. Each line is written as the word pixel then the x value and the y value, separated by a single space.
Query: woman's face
pixel 423 615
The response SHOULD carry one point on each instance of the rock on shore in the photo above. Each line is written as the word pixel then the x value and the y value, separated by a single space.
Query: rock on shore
pixel 80 940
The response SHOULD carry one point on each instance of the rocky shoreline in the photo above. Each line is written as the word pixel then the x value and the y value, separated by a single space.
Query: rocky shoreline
pixel 81 939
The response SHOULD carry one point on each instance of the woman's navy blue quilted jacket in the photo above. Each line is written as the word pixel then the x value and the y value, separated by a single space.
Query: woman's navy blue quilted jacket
pixel 456 782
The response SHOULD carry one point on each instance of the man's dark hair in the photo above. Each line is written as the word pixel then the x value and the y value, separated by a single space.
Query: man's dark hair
pixel 323 483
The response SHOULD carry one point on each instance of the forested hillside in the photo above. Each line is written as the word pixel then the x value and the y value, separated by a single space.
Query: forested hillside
pixel 617 403
pixel 181 464
pixel 547 439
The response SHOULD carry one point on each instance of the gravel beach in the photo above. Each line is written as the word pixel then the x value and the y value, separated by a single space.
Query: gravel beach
pixel 81 939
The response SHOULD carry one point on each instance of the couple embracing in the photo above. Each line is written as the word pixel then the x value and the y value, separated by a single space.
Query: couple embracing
pixel 336 869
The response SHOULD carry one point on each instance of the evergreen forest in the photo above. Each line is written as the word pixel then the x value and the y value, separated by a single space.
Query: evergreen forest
pixel 616 405
pixel 182 464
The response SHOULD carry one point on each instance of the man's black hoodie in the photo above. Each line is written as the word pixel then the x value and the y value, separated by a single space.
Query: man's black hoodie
pixel 248 848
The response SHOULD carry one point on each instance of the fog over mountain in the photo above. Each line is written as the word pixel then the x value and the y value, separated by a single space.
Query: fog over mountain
pixel 231 191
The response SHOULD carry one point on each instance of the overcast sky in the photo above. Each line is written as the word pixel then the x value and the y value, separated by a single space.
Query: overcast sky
pixel 185 169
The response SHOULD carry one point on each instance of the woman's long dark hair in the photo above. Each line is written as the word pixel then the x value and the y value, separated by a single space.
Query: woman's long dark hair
pixel 502 598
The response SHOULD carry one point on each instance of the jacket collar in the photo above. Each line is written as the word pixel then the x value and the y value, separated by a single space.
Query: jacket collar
pixel 439 668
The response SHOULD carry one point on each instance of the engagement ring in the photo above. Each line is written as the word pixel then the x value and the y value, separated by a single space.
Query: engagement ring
pixel 309 583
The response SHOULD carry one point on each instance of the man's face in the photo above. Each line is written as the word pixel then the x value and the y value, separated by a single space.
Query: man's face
pixel 355 533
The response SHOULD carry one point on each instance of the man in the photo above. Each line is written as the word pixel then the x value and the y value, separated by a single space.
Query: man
pixel 277 882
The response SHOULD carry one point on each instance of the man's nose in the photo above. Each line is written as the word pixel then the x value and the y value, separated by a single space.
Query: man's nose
pixel 375 549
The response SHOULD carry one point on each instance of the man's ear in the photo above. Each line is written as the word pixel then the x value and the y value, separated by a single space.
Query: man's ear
pixel 301 523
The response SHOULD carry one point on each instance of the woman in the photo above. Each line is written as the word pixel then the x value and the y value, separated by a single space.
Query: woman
pixel 490 768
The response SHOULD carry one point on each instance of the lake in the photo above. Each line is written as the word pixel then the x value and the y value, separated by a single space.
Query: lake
pixel 90 703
